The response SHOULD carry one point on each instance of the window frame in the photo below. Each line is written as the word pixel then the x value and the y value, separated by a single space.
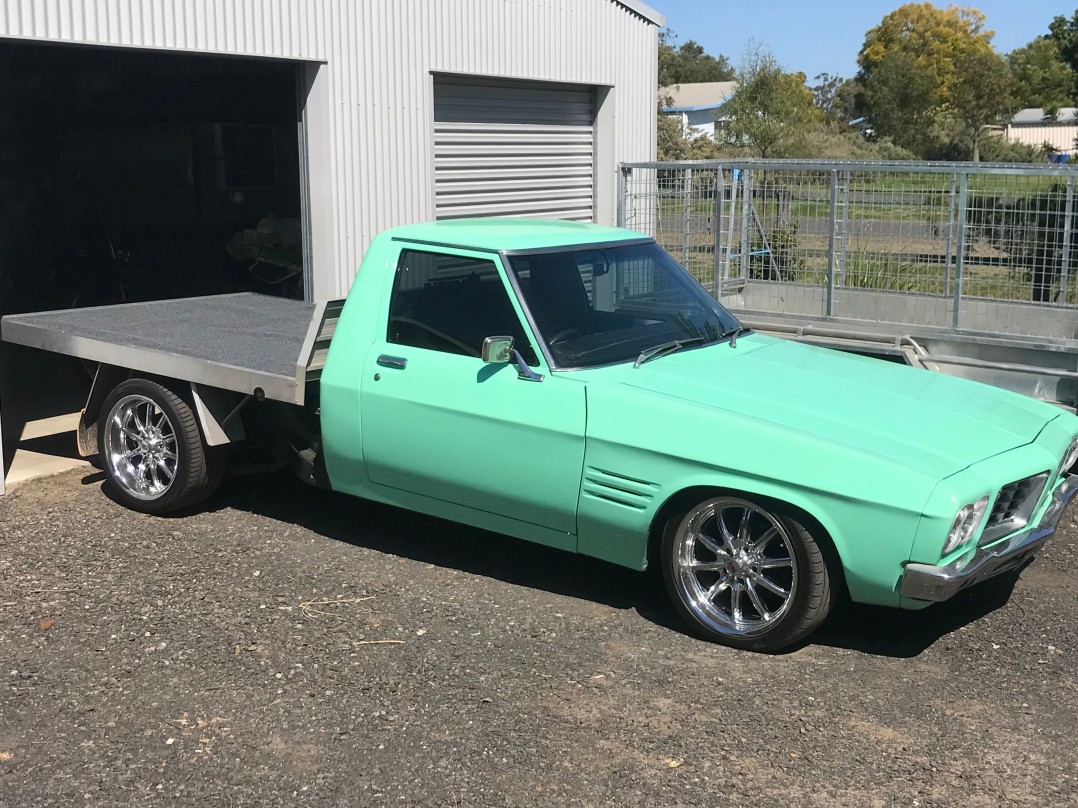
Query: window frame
pixel 555 367
pixel 496 260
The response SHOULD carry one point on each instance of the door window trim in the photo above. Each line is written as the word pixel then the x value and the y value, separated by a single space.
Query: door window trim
pixel 501 267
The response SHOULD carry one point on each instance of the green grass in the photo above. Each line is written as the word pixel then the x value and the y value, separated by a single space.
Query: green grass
pixel 982 183
pixel 875 270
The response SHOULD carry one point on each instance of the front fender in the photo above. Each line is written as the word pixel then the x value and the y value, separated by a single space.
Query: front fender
pixel 869 505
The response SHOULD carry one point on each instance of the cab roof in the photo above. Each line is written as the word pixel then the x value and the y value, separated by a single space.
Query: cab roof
pixel 492 235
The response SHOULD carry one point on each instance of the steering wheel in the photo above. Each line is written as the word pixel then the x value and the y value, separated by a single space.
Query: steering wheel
pixel 564 334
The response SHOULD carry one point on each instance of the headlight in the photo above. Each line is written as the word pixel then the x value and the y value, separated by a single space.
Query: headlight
pixel 965 524
pixel 1070 457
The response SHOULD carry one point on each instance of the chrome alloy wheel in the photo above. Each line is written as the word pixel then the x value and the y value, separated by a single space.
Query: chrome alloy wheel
pixel 140 447
pixel 736 570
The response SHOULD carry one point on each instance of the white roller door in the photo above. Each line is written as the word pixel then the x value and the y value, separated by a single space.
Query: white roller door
pixel 508 148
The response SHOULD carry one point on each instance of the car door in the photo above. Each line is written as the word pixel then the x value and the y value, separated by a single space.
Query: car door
pixel 439 422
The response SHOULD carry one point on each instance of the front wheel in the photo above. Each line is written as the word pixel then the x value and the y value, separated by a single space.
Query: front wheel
pixel 152 450
pixel 746 575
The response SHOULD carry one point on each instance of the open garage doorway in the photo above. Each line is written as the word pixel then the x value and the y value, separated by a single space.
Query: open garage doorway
pixel 138 175
pixel 133 175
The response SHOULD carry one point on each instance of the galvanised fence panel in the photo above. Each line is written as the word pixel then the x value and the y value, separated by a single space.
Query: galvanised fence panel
pixel 963 247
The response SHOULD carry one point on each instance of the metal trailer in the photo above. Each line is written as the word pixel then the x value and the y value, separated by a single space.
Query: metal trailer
pixel 229 348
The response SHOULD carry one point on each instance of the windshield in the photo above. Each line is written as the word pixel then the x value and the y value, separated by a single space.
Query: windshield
pixel 601 306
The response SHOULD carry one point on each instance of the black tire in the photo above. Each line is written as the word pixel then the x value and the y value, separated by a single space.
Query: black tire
pixel 710 563
pixel 152 451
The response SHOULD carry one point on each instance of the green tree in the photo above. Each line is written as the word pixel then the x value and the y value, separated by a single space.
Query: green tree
pixel 982 96
pixel 825 90
pixel 847 102
pixel 1064 32
pixel 770 112
pixel 933 38
pixel 1041 77
pixel 670 141
pixel 689 63
pixel 909 70
pixel 836 97
pixel 901 97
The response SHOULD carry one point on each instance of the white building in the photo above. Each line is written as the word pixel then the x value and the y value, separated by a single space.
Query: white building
pixel 1033 128
pixel 143 136
pixel 697 105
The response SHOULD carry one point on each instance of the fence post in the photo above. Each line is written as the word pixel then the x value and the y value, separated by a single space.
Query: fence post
pixel 734 175
pixel 624 173
pixel 960 248
pixel 831 245
pixel 720 274
pixel 845 232
pixel 1066 259
pixel 950 235
pixel 687 225
pixel 746 215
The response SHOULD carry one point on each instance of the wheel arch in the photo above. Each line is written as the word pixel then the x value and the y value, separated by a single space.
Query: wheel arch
pixel 682 500
pixel 212 406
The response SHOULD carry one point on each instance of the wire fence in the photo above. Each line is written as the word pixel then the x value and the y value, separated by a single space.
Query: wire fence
pixel 980 248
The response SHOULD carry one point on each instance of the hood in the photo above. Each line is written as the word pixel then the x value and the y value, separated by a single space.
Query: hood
pixel 935 423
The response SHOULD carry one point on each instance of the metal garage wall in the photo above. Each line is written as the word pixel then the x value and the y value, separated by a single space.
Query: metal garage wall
pixel 293 29
pixel 370 115
pixel 513 149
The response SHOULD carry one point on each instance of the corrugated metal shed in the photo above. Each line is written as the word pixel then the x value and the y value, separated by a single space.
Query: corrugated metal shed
pixel 1033 127
pixel 370 84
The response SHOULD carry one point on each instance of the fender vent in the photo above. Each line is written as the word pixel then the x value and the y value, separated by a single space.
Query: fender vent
pixel 617 488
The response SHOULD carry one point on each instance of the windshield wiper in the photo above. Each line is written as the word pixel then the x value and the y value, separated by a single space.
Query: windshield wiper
pixel 665 348
pixel 734 333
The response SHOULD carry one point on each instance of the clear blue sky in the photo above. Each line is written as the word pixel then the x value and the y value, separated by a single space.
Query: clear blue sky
pixel 816 36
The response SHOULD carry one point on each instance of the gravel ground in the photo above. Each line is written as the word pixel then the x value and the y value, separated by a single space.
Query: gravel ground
pixel 287 646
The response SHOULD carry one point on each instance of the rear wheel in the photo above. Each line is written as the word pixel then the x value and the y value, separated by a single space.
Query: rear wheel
pixel 745 575
pixel 152 451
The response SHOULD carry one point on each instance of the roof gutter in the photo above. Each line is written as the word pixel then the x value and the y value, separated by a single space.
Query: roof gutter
pixel 645 11
pixel 701 108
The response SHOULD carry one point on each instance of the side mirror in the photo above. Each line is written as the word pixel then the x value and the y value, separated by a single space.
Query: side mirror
pixel 497 350
pixel 500 351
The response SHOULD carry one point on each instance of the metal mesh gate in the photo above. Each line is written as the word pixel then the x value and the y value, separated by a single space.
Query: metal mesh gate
pixel 960 247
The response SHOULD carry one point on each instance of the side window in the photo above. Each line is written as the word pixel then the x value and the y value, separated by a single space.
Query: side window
pixel 451 303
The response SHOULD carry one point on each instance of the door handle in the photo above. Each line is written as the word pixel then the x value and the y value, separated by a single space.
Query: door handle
pixel 398 362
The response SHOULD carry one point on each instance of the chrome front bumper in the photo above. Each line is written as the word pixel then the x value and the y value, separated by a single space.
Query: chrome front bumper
pixel 926 582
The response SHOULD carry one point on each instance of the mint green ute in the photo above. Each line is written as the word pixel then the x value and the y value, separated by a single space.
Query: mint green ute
pixel 570 384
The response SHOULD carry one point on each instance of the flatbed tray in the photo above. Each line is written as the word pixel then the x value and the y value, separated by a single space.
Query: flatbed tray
pixel 240 342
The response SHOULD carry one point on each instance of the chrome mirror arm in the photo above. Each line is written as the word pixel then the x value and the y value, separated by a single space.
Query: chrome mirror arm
pixel 523 371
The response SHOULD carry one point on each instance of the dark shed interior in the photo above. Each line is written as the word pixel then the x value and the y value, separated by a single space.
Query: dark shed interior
pixel 138 175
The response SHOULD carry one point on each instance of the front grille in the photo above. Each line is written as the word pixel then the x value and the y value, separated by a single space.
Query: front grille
pixel 1014 505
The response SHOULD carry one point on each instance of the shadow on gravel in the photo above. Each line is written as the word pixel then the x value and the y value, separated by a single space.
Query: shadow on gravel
pixel 872 630
pixel 898 633
pixel 446 544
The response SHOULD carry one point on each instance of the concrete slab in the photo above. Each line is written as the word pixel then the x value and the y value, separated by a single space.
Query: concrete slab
pixel 40 396
pixel 47 446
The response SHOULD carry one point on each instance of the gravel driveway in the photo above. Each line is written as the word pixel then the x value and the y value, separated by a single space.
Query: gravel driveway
pixel 287 646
